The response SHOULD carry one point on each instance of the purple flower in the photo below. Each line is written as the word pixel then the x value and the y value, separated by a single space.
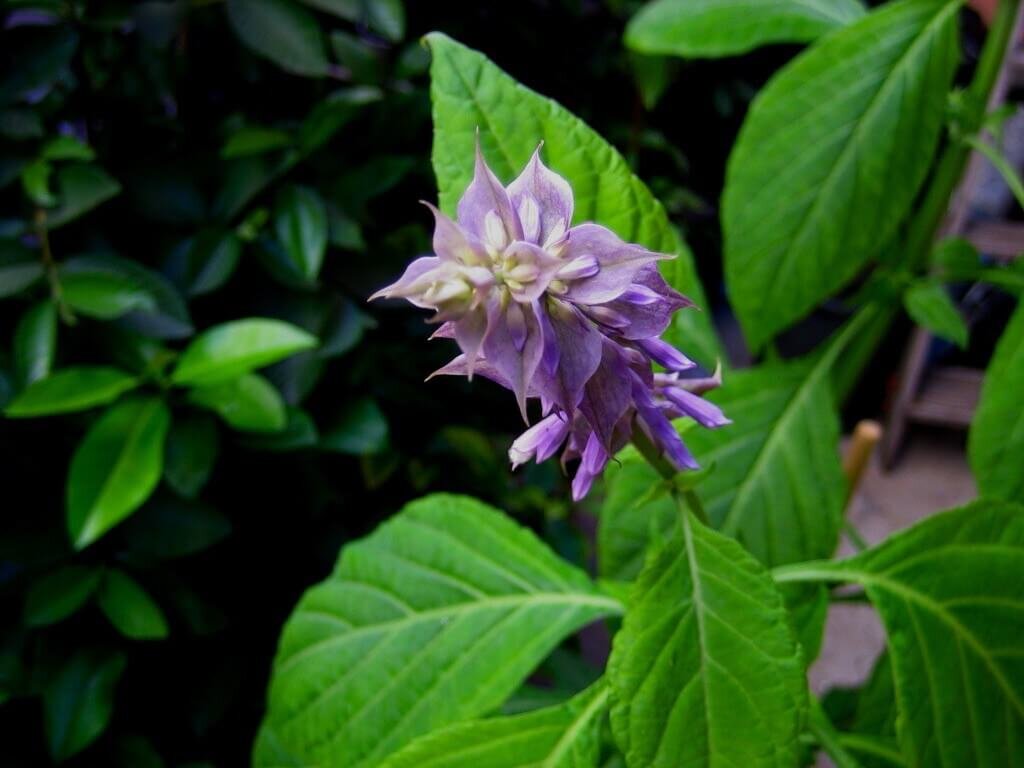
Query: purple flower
pixel 567 315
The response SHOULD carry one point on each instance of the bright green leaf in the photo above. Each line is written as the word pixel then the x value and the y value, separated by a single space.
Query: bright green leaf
pixel 360 429
pixel 35 342
pixel 470 92
pixel 130 608
pixel 249 403
pixel 281 31
pixel 402 638
pixel 79 700
pixel 192 447
pixel 67 148
pixel 711 28
pixel 300 222
pixel 104 295
pixel 830 157
pixel 705 670
pixel 226 351
pixel 59 594
pixel 930 306
pixel 995 445
pixel 35 181
pixel 565 736
pixel 71 389
pixel 116 467
pixel 949 593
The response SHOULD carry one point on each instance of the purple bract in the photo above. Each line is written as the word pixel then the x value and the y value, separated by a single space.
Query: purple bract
pixel 567 315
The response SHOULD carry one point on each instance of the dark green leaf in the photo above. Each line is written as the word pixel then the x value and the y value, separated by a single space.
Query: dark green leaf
pixel 830 158
pixel 565 736
pixel 59 594
pixel 228 350
pixel 80 188
pixel 710 28
pixel 255 140
pixel 401 639
pixel 204 263
pixel 130 608
pixel 928 303
pixel 40 64
pixel 705 670
pixel 20 268
pixel 35 343
pixel 35 181
pixel 299 432
pixel 300 222
pixel 469 92
pixel 167 528
pixel 116 467
pixel 79 700
pixel 281 31
pixel 995 445
pixel 361 60
pixel 359 430
pixel 332 113
pixel 191 452
pixel 101 293
pixel 71 389
pixel 249 403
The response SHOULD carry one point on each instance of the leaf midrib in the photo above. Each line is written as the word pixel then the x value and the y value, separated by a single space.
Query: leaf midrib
pixel 582 720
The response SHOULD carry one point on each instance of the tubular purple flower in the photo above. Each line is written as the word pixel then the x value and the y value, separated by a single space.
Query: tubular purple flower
pixel 567 315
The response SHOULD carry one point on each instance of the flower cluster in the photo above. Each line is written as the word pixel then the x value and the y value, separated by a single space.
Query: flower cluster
pixel 568 315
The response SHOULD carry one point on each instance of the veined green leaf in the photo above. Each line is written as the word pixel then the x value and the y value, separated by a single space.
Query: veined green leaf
pixel 565 736
pixel 228 350
pixel 405 636
pixel 71 389
pixel 705 670
pixel 249 403
pixel 949 593
pixel 830 158
pixel 470 92
pixel 710 28
pixel 995 445
pixel 300 221
pixel 116 467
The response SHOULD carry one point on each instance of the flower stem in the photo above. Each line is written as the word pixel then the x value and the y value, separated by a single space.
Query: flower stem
pixel 52 275
pixel 694 503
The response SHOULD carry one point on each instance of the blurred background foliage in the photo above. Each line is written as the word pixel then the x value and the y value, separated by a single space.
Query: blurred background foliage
pixel 168 168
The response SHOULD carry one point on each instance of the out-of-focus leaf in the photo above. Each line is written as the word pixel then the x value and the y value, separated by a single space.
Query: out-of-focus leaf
pixel 167 193
pixel 134 751
pixel 995 445
pixel 343 230
pixel 190 454
pixel 35 181
pixel 248 403
pixel 59 594
pixel 705 668
pixel 203 264
pixel 343 329
pixel 332 113
pixel 80 188
pixel 71 389
pixel 102 293
pixel 20 268
pixel 470 92
pixel 67 148
pixel 300 432
pixel 710 28
pixel 116 467
pixel 653 75
pixel 928 303
pixel 255 140
pixel 35 343
pixel 564 736
pixel 243 179
pixel 230 349
pixel 167 528
pixel 361 60
pixel 300 222
pixel 40 64
pixel 401 639
pixel 79 700
pixel 281 31
pixel 20 124
pixel 130 608
pixel 830 158
pixel 384 16
pixel 360 429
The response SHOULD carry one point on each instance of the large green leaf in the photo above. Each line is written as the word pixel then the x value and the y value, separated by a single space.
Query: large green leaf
pixel 709 28
pixel 949 591
pixel 281 31
pixel 566 736
pixel 228 350
pixel 435 618
pixel 996 442
pixel 72 389
pixel 705 670
pixel 830 158
pixel 116 467
pixel 249 403
pixel 470 92
pixel 79 700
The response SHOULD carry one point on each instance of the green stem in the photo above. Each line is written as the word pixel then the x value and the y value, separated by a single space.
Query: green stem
pixel 1000 164
pixel 52 275
pixel 694 503
pixel 869 745
pixel 828 738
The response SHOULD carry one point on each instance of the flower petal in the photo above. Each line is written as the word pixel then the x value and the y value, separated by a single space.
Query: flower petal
pixel 451 243
pixel 534 271
pixel 646 317
pixel 619 261
pixel 704 412
pixel 470 331
pixel 608 393
pixel 416 279
pixel 514 358
pixel 541 441
pixel 484 195
pixel 660 429
pixel 539 189
pixel 592 464
pixel 579 355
